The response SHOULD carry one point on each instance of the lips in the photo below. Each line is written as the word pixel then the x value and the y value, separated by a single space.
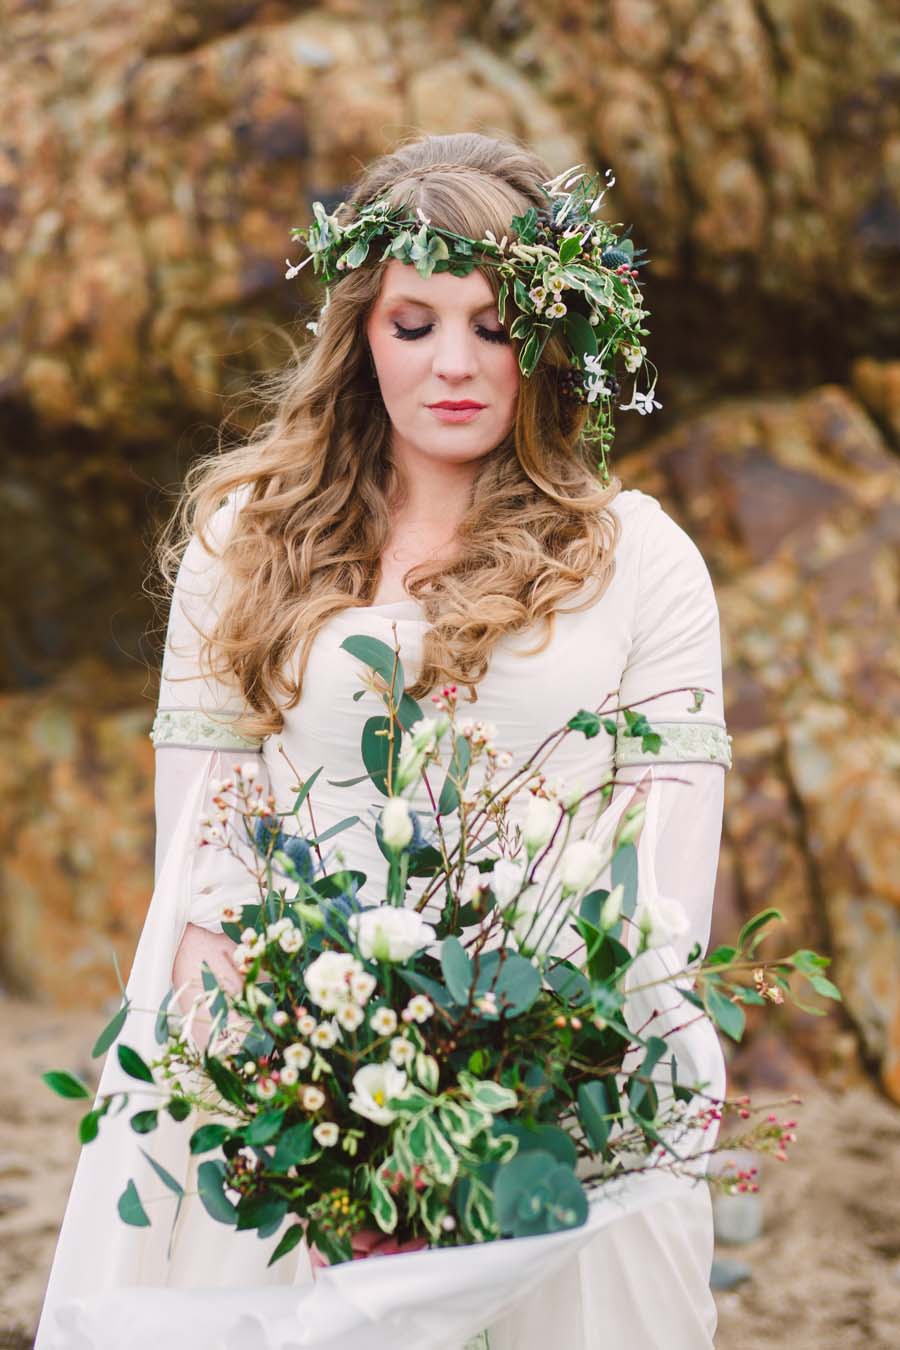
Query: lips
pixel 451 406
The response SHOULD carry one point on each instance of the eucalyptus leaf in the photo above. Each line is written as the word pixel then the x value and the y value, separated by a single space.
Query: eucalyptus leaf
pixel 131 1211
pixel 110 1032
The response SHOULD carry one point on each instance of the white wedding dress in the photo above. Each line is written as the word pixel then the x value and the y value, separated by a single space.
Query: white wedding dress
pixel 637 1275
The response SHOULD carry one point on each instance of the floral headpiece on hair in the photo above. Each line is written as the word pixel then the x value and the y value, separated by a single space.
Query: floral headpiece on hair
pixel 563 272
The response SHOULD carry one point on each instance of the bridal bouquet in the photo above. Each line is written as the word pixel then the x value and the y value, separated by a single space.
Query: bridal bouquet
pixel 453 1081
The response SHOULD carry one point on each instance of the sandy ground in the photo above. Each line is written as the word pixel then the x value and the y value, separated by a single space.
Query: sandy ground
pixel 825 1274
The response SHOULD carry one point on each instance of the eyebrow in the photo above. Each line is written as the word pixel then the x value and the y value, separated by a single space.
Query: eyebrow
pixel 423 304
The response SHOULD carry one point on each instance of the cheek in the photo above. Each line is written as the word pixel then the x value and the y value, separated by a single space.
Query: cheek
pixel 507 378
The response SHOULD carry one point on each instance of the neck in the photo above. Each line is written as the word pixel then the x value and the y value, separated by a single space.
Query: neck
pixel 432 491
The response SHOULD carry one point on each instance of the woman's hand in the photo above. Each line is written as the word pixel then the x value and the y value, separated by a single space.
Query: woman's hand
pixel 367 1242
pixel 199 946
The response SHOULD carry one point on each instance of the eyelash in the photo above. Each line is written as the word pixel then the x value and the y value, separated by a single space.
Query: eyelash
pixel 412 334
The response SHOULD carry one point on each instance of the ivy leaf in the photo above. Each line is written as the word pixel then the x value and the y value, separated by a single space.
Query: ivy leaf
pixel 586 722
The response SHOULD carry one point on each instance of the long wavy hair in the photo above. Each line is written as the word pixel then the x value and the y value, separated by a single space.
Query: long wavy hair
pixel 317 490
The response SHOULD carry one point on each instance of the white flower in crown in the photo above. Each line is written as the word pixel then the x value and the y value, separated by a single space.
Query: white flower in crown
pixel 642 403
pixel 326 1133
pixel 634 357
pixel 289 1076
pixel 230 914
pixel 374 1086
pixel 266 1088
pixel 556 310
pixel 306 1024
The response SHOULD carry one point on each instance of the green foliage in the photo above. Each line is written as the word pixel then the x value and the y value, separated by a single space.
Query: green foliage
pixel 536 1194
pixel 132 1063
pixel 211 1189
pixel 131 1211
pixel 110 1032
pixel 65 1084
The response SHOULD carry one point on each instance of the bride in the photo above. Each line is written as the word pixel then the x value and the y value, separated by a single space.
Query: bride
pixel 412 481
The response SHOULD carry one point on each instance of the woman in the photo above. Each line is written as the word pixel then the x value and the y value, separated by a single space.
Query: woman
pixel 413 481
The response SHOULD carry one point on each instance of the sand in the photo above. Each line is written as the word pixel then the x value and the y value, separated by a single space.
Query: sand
pixel 825 1272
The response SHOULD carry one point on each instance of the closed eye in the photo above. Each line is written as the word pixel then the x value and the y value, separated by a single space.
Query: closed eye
pixel 411 334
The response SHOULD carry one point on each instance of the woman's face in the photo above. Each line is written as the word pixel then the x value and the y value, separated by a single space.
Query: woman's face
pixel 448 373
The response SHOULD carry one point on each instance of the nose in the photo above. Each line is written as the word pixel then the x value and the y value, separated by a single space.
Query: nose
pixel 455 356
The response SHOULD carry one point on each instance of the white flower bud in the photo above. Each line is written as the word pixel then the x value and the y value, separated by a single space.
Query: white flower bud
pixel 396 824
pixel 611 912
pixel 540 822
pixel 631 824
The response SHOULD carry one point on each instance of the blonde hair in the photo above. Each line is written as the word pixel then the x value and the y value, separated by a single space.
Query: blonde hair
pixel 317 487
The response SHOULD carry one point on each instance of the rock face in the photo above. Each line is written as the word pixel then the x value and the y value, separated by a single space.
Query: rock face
pixel 796 505
pixel 153 161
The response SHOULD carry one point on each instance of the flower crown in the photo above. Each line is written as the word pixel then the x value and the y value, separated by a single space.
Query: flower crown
pixel 562 273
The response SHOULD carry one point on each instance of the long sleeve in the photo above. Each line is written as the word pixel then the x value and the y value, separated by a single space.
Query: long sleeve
pixel 195 740
pixel 676 648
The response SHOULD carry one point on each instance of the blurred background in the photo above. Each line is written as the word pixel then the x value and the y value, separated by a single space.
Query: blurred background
pixel 153 158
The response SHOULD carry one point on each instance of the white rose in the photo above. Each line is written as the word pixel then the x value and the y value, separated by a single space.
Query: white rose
pixel 389 933
pixel 662 919
pixel 396 824
pixel 580 864
pixel 374 1085
pixel 328 979
pixel 541 820
pixel 506 880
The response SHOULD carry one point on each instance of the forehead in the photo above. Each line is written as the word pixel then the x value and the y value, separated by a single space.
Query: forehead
pixel 401 282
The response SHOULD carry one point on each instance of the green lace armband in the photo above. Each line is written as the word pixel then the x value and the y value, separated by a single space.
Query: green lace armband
pixel 683 742
pixel 191 727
